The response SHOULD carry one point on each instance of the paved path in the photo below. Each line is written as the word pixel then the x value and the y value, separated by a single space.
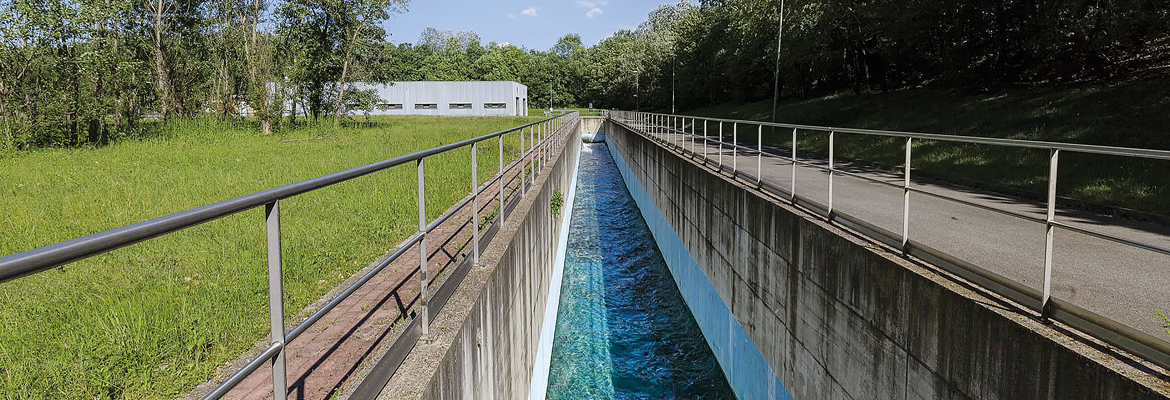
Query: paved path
pixel 1120 282
pixel 333 354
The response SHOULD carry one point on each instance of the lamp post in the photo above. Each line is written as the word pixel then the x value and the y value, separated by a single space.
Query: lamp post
pixel 550 83
pixel 637 103
pixel 776 85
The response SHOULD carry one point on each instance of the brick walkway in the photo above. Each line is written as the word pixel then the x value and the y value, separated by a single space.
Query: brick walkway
pixel 326 358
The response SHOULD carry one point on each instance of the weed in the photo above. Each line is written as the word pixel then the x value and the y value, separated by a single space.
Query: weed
pixel 556 202
pixel 1165 319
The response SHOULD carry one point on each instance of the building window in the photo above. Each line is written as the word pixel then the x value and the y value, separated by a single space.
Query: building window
pixel 495 105
pixel 460 106
pixel 389 106
pixel 426 106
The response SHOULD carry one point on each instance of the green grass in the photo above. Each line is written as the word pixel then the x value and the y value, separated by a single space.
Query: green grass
pixel 1125 113
pixel 155 319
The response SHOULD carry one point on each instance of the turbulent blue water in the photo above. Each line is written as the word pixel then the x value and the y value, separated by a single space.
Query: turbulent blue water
pixel 623 330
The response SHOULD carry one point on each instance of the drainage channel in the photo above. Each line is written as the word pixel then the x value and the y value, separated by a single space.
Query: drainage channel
pixel 622 328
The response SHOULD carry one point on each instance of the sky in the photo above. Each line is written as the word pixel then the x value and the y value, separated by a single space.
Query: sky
pixel 531 24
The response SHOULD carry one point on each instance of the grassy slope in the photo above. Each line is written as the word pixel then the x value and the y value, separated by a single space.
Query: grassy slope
pixel 1130 113
pixel 154 319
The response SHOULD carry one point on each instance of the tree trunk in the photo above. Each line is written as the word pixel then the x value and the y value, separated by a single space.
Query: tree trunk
pixel 161 86
pixel 344 79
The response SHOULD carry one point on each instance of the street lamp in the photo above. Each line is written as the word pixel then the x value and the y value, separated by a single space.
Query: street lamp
pixel 776 85
pixel 637 103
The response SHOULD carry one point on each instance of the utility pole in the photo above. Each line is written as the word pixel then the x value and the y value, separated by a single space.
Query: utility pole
pixel 779 35
pixel 672 75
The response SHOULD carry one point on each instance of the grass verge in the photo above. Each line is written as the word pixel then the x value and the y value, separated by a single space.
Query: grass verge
pixel 157 318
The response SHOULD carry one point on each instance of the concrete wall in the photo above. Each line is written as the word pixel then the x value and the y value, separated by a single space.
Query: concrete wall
pixel 488 332
pixel 832 317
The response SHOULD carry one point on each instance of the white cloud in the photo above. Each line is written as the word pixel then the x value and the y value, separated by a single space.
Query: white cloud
pixel 594 7
pixel 511 16
pixel 530 12
pixel 593 14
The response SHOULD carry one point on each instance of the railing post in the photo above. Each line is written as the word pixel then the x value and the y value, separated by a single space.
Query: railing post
pixel 831 135
pixel 520 163
pixel 532 154
pixel 793 187
pixel 276 299
pixel 501 182
pixel 720 146
pixel 906 201
pixel 422 252
pixel 704 142
pixel 1045 302
pixel 760 155
pixel 474 206
pixel 734 147
pixel 685 138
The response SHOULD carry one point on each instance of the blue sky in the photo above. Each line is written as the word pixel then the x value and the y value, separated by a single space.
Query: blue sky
pixel 532 24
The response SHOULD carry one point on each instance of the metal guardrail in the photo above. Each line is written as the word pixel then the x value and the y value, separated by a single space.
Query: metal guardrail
pixel 542 137
pixel 671 132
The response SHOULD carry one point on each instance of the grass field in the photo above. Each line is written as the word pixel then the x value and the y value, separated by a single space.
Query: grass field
pixel 1128 113
pixel 155 319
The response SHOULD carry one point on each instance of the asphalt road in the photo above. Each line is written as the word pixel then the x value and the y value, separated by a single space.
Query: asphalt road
pixel 1124 283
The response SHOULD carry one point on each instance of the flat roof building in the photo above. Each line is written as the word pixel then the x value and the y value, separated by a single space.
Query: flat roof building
pixel 450 98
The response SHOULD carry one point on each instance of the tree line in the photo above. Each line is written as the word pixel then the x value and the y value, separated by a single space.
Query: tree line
pixel 74 73
pixel 688 55
pixel 85 72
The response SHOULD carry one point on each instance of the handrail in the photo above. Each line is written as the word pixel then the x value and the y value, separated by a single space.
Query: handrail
pixel 54 255
pixel 550 131
pixel 670 131
pixel 1033 144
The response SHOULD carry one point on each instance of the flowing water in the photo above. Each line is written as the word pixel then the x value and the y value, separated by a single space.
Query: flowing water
pixel 623 330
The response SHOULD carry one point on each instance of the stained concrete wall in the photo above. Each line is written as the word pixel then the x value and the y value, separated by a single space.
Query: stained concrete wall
pixel 837 319
pixel 488 332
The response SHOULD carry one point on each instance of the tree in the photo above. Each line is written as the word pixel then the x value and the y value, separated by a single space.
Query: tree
pixel 360 26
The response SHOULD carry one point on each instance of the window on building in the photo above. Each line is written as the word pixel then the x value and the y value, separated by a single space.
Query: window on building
pixel 495 105
pixel 426 106
pixel 460 106
pixel 389 106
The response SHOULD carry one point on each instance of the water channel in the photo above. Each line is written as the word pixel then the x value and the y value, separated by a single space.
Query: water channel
pixel 623 330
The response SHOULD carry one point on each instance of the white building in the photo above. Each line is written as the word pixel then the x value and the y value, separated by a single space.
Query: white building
pixel 450 98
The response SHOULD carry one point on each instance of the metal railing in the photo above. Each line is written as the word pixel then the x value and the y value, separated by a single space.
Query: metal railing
pixel 671 131
pixel 543 137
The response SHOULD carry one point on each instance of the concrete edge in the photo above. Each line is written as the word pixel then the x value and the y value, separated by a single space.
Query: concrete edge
pixel 539 386
pixel 422 365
